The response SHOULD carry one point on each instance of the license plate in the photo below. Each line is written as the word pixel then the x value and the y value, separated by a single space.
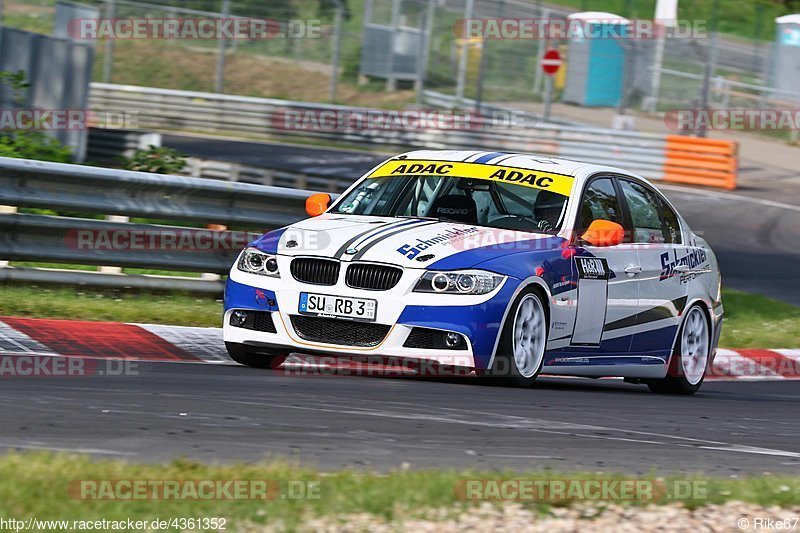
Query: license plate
pixel 337 306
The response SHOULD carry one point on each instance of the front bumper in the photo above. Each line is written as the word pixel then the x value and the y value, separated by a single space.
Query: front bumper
pixel 476 318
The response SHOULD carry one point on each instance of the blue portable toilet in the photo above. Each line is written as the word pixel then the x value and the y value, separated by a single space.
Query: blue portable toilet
pixel 595 59
pixel 786 54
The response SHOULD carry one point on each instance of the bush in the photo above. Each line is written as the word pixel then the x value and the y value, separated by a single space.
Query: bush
pixel 28 144
pixel 33 145
pixel 157 159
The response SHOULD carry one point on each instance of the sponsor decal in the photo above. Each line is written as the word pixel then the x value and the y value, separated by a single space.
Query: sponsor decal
pixel 592 268
pixel 261 298
pixel 524 177
pixel 447 237
pixel 693 259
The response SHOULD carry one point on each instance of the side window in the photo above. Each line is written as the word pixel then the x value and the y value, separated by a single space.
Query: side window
pixel 672 228
pixel 599 202
pixel 644 207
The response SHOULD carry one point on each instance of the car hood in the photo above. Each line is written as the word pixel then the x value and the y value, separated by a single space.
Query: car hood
pixel 407 242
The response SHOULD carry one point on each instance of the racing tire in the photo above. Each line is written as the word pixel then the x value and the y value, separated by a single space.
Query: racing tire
pixel 253 357
pixel 689 363
pixel 523 341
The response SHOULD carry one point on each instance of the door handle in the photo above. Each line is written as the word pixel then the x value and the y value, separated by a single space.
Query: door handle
pixel 682 268
pixel 632 270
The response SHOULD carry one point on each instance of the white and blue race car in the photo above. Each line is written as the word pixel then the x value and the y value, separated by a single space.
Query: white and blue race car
pixel 513 265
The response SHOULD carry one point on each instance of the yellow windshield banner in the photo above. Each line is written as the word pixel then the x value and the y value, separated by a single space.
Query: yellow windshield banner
pixel 524 177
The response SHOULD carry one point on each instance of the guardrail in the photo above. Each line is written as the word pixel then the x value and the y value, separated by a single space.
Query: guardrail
pixel 651 155
pixel 101 191
pixel 226 170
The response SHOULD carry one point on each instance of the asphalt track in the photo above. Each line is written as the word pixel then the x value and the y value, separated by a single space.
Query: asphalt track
pixel 223 413
pixel 226 413
pixel 753 231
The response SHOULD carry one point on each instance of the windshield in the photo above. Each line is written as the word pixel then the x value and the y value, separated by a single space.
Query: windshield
pixel 465 200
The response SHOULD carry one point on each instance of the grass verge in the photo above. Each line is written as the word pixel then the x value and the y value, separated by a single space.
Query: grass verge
pixel 751 321
pixel 47 486
pixel 755 321
pixel 110 305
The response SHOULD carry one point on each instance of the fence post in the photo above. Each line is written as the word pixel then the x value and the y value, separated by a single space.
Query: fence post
pixel 710 61
pixel 219 77
pixel 337 43
pixel 462 62
pixel 424 58
pixel 391 82
pixel 108 54
pixel 6 210
pixel 113 269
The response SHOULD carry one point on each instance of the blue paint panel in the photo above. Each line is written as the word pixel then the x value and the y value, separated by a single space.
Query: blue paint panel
pixel 471 258
pixel 268 243
pixel 479 323
pixel 553 267
pixel 660 342
pixel 240 296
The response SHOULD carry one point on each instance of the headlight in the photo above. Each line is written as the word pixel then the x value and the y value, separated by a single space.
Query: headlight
pixel 463 282
pixel 254 261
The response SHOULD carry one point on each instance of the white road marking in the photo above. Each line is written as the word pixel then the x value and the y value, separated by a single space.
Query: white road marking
pixel 95 451
pixel 728 195
pixel 536 425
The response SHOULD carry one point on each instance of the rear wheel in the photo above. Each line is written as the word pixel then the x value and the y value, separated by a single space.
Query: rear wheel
pixel 688 364
pixel 520 353
pixel 255 357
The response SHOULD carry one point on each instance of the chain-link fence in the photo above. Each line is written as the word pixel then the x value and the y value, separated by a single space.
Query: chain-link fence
pixel 423 49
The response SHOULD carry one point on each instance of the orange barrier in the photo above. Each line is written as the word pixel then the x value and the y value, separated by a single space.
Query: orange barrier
pixel 696 161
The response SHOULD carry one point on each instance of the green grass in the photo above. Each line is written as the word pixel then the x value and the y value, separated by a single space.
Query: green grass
pixel 754 321
pixel 38 485
pixel 751 321
pixel 111 305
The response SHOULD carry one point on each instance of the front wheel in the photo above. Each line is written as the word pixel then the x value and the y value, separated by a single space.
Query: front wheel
pixel 253 357
pixel 688 365
pixel 520 354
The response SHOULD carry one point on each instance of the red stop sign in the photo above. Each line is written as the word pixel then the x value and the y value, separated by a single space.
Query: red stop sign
pixel 551 62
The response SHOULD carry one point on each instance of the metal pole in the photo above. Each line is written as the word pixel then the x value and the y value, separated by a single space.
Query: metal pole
pixel 655 80
pixel 710 60
pixel 481 69
pixel 756 68
pixel 548 97
pixel 422 65
pixel 462 64
pixel 108 53
pixel 627 70
pixel 337 48
pixel 541 48
pixel 391 81
pixel 219 76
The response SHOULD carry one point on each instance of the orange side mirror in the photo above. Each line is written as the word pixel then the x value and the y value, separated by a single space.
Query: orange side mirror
pixel 316 204
pixel 604 233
